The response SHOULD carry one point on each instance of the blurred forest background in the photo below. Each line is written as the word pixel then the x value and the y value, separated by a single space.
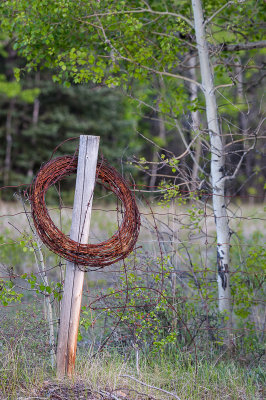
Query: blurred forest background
pixel 131 72
pixel 38 114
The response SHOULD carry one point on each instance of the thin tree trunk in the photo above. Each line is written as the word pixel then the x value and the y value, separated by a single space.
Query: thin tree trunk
pixel 47 303
pixel 242 117
pixel 195 116
pixel 162 135
pixel 35 120
pixel 217 168
pixel 48 311
pixel 9 140
pixel 243 121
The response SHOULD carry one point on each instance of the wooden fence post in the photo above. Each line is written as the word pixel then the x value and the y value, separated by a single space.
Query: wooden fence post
pixel 74 277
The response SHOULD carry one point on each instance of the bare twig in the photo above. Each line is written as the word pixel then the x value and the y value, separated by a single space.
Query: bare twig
pixel 207 21
pixel 260 44
pixel 224 86
pixel 231 177
pixel 141 11
pixel 151 386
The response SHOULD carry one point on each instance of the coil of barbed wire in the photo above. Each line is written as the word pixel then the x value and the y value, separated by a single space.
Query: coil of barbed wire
pixel 87 255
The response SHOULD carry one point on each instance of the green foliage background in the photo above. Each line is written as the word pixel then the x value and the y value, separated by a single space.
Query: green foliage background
pixel 132 46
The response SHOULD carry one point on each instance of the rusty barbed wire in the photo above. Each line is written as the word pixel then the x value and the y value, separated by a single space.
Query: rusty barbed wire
pixel 110 292
pixel 88 255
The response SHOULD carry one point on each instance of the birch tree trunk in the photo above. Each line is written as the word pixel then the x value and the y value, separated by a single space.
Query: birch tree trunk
pixel 217 168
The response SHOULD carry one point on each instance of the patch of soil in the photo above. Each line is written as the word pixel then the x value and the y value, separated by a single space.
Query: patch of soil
pixel 66 391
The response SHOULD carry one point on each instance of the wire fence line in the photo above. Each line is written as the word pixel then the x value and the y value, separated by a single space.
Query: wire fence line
pixel 163 296
pixel 177 269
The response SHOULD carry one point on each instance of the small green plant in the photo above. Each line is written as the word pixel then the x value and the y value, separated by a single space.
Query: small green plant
pixel 171 192
pixel 8 294
pixel 53 288
pixel 248 291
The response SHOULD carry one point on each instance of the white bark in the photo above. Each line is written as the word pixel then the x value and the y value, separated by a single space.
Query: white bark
pixel 47 301
pixel 217 165
pixel 48 310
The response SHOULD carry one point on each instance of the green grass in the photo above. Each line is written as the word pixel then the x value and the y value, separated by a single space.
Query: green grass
pixel 206 380
pixel 106 374
pixel 25 370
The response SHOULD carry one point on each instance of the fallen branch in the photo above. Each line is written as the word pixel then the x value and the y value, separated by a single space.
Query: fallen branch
pixel 110 395
pixel 151 386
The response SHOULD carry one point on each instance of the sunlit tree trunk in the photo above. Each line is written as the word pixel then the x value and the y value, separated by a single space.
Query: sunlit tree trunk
pixel 217 167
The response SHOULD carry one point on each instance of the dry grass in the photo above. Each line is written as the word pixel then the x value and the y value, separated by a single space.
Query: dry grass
pixel 104 218
pixel 108 377
pixel 25 372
